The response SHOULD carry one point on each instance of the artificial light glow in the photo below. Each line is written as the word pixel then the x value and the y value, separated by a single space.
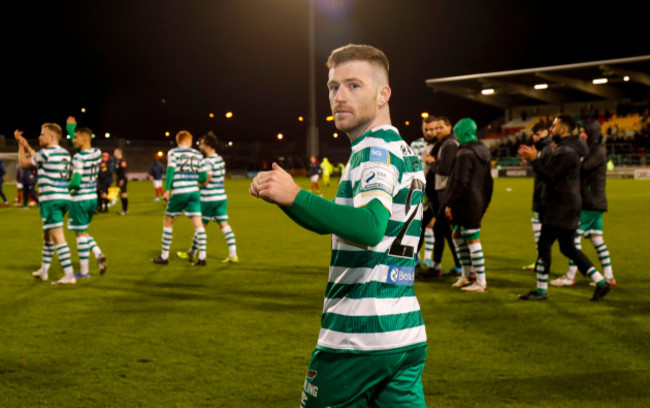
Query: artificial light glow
pixel 335 135
pixel 229 143
pixel 107 135
pixel 425 115
pixel 83 110
pixel 160 153
pixel 211 115
pixel 329 118
pixel 488 91
pixel 300 118
pixel 166 134
pixel 407 123
pixel 280 136
pixel 228 115
pixel 599 81
pixel 626 78
pixel 541 86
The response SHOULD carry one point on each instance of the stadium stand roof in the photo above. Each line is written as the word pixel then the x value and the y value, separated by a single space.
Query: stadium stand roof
pixel 627 78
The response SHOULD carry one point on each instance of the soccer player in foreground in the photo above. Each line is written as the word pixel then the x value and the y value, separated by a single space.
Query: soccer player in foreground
pixel 372 344
pixel 214 201
pixel 83 196
pixel 53 164
pixel 184 173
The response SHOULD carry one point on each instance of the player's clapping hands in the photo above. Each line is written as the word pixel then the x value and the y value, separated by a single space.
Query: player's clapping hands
pixel 275 186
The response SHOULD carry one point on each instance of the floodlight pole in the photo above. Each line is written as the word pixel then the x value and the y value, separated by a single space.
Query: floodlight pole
pixel 312 131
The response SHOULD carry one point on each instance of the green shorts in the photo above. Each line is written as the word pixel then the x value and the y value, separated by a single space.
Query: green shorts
pixel 468 234
pixel 361 380
pixel 591 223
pixel 81 213
pixel 214 211
pixel 52 213
pixel 189 203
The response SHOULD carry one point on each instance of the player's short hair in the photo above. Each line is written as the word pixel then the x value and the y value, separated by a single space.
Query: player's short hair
pixel 429 119
pixel 568 120
pixel 359 52
pixel 444 119
pixel 183 135
pixel 84 131
pixel 211 140
pixel 53 127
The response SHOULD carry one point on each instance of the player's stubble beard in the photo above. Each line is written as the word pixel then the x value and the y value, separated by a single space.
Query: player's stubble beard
pixel 361 118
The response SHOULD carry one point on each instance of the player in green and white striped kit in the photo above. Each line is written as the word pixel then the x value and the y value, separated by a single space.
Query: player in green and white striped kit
pixel 83 193
pixel 372 344
pixel 183 175
pixel 53 163
pixel 214 201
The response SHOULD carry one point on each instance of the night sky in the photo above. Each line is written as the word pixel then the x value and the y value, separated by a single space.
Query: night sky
pixel 143 67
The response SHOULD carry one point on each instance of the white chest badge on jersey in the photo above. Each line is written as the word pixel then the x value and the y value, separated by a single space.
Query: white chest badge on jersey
pixel 400 275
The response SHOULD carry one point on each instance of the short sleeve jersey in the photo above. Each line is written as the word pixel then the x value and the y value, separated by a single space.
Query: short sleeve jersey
pixel 370 305
pixel 216 168
pixel 53 165
pixel 186 163
pixel 86 163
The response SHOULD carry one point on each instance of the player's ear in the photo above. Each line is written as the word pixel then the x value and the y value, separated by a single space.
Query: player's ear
pixel 383 95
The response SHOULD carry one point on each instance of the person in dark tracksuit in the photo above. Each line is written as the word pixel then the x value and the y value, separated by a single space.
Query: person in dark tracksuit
pixel 467 197
pixel 440 163
pixel 560 206
pixel 593 176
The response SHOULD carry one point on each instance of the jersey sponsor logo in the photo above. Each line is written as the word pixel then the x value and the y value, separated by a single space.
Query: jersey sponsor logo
pixel 377 178
pixel 379 155
pixel 400 275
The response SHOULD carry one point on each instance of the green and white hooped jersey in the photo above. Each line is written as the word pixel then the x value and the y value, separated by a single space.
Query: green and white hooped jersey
pixel 214 190
pixel 187 166
pixel 418 146
pixel 53 165
pixel 86 163
pixel 370 305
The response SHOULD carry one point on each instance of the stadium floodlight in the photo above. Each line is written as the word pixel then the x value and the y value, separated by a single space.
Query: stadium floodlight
pixel 335 135
pixel 626 78
pixel 228 115
pixel 107 135
pixel 280 136
pixel 425 115
pixel 329 118
pixel 488 91
pixel 599 81
pixel 540 86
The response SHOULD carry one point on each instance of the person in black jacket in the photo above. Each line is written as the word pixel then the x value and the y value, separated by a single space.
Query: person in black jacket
pixel 440 163
pixel 543 143
pixel 594 202
pixel 560 206
pixel 467 198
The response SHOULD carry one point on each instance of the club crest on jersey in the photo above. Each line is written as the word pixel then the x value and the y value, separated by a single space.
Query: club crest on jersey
pixel 400 275
pixel 379 155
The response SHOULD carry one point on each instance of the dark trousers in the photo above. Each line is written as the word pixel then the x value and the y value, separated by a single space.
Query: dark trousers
pixel 442 233
pixel 426 218
pixel 29 191
pixel 565 237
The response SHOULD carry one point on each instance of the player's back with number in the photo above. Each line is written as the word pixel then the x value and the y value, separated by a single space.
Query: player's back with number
pixel 186 163
pixel 53 173
pixel 86 162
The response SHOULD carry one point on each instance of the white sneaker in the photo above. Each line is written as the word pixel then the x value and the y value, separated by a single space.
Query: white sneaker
pixel 475 287
pixel 563 281
pixel 66 280
pixel 462 281
pixel 40 275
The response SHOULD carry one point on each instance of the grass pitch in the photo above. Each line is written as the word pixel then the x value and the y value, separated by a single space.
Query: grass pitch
pixel 240 335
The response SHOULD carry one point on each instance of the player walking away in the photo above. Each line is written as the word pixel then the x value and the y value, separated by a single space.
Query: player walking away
pixel 467 198
pixel 156 171
pixel 214 201
pixel 83 196
pixel 184 172
pixel 314 172
pixel 560 206
pixel 372 344
pixel 593 176
pixel 326 169
pixel 120 179
pixel 53 163
pixel 543 144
